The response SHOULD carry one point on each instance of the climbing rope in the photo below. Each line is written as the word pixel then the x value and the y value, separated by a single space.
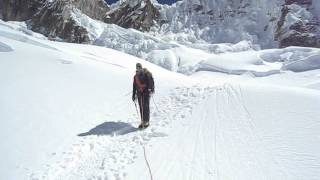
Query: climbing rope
pixel 145 158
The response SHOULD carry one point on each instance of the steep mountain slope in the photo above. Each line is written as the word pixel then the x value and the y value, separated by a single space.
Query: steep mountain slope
pixel 140 15
pixel 66 113
pixel 60 19
pixel 13 10
pixel 274 23
pixel 56 19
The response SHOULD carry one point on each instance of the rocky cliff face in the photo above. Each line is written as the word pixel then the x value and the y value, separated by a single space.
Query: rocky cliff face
pixel 59 19
pixel 14 10
pixel 56 19
pixel 140 15
pixel 95 9
pixel 299 25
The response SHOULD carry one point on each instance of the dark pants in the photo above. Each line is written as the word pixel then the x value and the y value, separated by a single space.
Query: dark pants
pixel 144 100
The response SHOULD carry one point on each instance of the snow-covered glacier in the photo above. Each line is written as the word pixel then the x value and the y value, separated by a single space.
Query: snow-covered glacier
pixel 66 111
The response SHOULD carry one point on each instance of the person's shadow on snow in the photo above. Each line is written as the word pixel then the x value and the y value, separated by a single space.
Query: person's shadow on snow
pixel 110 128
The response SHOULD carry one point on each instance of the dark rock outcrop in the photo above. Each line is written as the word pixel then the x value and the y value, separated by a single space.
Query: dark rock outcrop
pixel 54 18
pixel 301 32
pixel 141 16
pixel 14 10
pixel 95 9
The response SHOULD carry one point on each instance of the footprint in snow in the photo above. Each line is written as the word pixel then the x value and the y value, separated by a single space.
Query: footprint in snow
pixel 63 61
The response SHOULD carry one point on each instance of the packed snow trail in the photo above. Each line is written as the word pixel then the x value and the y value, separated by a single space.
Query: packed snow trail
pixel 201 132
pixel 106 150
pixel 232 135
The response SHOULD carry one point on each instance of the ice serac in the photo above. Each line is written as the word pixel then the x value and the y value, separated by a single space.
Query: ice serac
pixel 272 23
pixel 299 24
pixel 217 21
pixel 138 14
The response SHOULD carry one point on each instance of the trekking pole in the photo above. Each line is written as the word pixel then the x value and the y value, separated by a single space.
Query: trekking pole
pixel 135 104
pixel 142 112
pixel 155 103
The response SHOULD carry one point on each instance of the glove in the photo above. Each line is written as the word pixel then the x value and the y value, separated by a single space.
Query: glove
pixel 151 91
pixel 133 97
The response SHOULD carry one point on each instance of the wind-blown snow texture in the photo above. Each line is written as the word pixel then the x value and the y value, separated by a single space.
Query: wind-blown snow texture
pixel 66 110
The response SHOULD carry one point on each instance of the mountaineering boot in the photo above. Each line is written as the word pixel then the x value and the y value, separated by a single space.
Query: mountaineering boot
pixel 146 124
pixel 140 126
pixel 143 125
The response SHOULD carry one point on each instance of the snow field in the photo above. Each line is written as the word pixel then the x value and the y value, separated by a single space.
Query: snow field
pixel 108 155
pixel 235 132
pixel 51 92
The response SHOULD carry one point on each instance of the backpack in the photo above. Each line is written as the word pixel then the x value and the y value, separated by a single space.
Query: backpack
pixel 149 76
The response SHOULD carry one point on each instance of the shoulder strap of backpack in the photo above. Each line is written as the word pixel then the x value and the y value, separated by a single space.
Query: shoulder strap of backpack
pixel 140 85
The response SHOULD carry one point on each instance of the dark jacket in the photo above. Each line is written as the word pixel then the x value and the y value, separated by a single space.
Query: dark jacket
pixel 143 83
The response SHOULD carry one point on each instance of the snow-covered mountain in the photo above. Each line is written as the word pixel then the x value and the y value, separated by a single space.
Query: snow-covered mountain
pixel 270 23
pixel 66 112
pixel 60 19
pixel 218 21
pixel 57 19
pixel 273 23
pixel 140 15
pixel 201 27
